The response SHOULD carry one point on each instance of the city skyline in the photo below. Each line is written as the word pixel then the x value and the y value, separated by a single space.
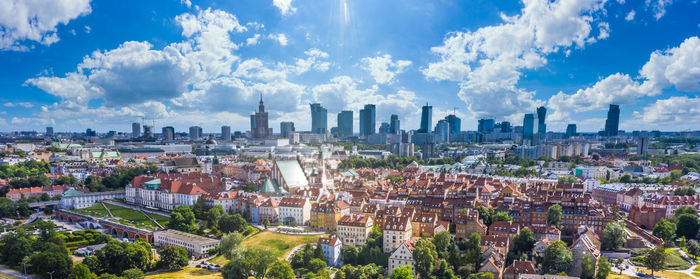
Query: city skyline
pixel 205 64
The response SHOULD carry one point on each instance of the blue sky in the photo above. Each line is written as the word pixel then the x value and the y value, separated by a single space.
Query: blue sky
pixel 104 64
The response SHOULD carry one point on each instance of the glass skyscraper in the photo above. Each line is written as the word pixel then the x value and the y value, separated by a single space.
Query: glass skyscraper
pixel 368 120
pixel 345 127
pixel 395 124
pixel 486 125
pixel 613 122
pixel 455 124
pixel 319 119
pixel 541 126
pixel 530 129
pixel 570 130
pixel 426 119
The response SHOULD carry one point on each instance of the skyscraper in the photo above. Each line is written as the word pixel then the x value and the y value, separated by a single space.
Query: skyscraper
pixel 168 133
pixel 226 133
pixel 319 119
pixel 286 128
pixel 368 120
pixel 395 124
pixel 384 128
pixel 442 131
pixel 426 119
pixel 195 133
pixel 613 122
pixel 135 130
pixel 530 129
pixel 505 127
pixel 455 124
pixel 49 131
pixel 541 126
pixel 259 125
pixel 148 131
pixel 345 128
pixel 570 130
pixel 643 145
pixel 486 126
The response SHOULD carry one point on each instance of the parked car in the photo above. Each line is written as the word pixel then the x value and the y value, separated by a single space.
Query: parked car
pixel 641 274
pixel 199 266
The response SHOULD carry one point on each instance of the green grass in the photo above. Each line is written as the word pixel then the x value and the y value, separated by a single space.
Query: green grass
pixel 613 275
pixel 128 216
pixel 278 244
pixel 187 272
pixel 674 261
pixel 666 274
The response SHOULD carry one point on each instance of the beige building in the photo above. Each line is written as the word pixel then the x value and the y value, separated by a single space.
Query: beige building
pixel 196 246
pixel 403 256
pixel 354 229
pixel 396 230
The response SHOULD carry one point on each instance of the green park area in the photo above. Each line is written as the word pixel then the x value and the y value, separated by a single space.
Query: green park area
pixel 187 272
pixel 279 244
pixel 125 215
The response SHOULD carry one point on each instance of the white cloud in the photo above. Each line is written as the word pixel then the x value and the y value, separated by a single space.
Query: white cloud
pixel 20 104
pixel 680 112
pixel 489 62
pixel 678 67
pixel 279 37
pixel 315 59
pixel 36 21
pixel 187 3
pixel 658 7
pixel 87 29
pixel 630 15
pixel 285 6
pixel 253 40
pixel 383 69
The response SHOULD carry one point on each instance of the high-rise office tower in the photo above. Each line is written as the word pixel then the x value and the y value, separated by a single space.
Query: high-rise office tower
pixel 394 124
pixel 426 119
pixel 286 128
pixel 226 133
pixel 570 130
pixel 530 129
pixel 613 122
pixel 259 125
pixel 368 120
pixel 505 127
pixel 147 131
pixel 319 119
pixel 195 133
pixel 442 131
pixel 455 124
pixel 49 131
pixel 168 133
pixel 90 133
pixel 541 126
pixel 345 128
pixel 486 126
pixel 384 128
pixel 135 130
pixel 642 145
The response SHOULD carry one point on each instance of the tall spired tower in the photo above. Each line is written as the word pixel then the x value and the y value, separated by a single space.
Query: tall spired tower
pixel 259 127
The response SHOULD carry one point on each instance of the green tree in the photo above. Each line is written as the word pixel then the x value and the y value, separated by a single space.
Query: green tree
pixel 230 242
pixel 655 259
pixel 441 241
pixel 81 271
pixel 602 268
pixel 665 230
pixel 473 251
pixel 54 259
pixel 182 219
pixel 425 257
pixel 587 270
pixel 133 273
pixel 613 236
pixel 213 216
pixel 258 260
pixel 251 187
pixel 502 216
pixel 318 253
pixel 688 225
pixel 485 214
pixel 618 262
pixel 554 216
pixel 173 258
pixel 557 258
pixel 266 223
pixel 349 254
pixel 16 246
pixel 281 270
pixel 693 248
pixel 316 265
pixel 524 241
pixel 199 208
pixel 402 272
pixel 232 223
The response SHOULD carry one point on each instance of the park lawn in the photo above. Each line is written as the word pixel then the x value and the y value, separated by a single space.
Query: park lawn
pixel 697 269
pixel 128 216
pixel 621 276
pixel 187 272
pixel 675 261
pixel 278 244
pixel 667 274
pixel 96 210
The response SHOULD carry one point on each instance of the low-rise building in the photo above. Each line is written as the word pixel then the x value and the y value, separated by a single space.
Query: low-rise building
pixel 331 250
pixel 517 268
pixel 269 211
pixel 403 256
pixel 197 246
pixel 354 229
pixel 396 230
pixel 294 211
pixel 325 215
pixel 74 199
pixel 469 223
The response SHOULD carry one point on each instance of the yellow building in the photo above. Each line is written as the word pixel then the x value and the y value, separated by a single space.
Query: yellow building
pixel 325 215
pixel 468 223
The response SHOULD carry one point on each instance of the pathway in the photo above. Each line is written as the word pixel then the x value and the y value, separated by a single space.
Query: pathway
pixel 107 208
pixel 13 273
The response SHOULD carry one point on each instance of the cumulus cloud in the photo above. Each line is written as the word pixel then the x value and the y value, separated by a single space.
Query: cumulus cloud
pixel 279 37
pixel 285 6
pixel 19 104
pixel 489 62
pixel 658 7
pixel 630 15
pixel 315 59
pixel 253 40
pixel 23 22
pixel 674 111
pixel 383 69
pixel 678 67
